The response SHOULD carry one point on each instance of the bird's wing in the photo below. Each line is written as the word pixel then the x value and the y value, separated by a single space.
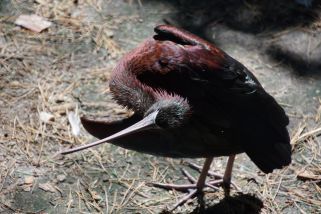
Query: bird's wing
pixel 223 93
pixel 180 36
pixel 200 71
pixel 199 60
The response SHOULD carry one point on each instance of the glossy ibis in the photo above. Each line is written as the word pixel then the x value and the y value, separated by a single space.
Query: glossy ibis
pixel 192 100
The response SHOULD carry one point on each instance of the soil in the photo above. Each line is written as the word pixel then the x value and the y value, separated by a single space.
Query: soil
pixel 65 70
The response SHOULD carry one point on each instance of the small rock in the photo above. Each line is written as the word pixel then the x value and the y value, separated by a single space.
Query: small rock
pixel 29 180
pixel 95 196
pixel 61 177
pixel 109 33
pixel 46 117
pixel 105 178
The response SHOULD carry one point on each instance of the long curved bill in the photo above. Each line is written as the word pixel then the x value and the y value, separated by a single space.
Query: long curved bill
pixel 147 122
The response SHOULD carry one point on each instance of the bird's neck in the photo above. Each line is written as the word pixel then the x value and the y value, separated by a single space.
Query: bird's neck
pixel 128 91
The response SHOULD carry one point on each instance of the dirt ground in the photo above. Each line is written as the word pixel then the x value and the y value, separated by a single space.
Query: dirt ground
pixel 64 71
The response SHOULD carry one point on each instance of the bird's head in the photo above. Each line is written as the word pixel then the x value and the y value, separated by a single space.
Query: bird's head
pixel 172 112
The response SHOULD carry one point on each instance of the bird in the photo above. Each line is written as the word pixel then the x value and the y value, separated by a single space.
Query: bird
pixel 192 100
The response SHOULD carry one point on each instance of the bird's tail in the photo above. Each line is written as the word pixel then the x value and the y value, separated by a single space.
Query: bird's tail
pixel 276 156
pixel 102 129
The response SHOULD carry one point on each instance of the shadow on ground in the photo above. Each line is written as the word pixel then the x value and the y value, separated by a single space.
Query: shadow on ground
pixel 252 16
pixel 294 61
pixel 239 204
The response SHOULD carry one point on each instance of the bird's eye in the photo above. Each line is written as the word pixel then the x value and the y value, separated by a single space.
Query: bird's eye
pixel 163 61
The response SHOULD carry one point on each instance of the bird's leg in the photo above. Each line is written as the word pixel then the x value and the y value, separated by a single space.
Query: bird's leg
pixel 225 179
pixel 201 179
pixel 228 175
pixel 199 185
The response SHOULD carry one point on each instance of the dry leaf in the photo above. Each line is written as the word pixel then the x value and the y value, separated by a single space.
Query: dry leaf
pixel 46 117
pixel 33 22
pixel 47 187
pixel 308 175
pixel 74 123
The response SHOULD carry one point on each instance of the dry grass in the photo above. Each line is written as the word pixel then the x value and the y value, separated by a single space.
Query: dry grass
pixel 66 69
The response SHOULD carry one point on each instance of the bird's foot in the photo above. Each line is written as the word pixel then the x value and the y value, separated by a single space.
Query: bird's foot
pixel 187 187
pixel 225 182
pixel 193 189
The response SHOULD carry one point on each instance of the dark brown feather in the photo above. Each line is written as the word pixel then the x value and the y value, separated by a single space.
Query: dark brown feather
pixel 229 110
